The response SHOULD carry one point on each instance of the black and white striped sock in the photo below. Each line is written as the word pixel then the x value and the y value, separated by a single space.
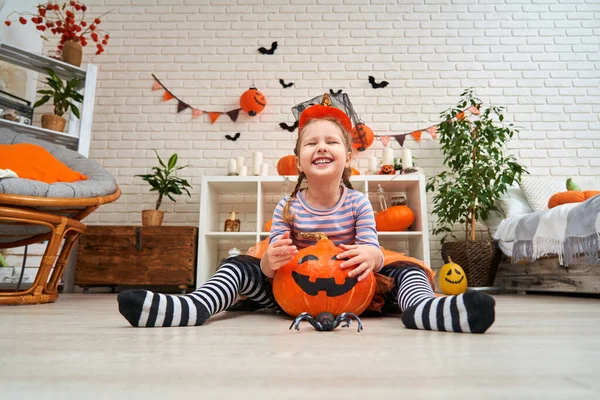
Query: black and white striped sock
pixel 239 275
pixel 470 312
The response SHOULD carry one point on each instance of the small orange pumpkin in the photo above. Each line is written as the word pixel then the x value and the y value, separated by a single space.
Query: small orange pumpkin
pixel 355 172
pixel 362 137
pixel 268 225
pixel 395 218
pixel 571 196
pixel 252 101
pixel 287 166
pixel 313 282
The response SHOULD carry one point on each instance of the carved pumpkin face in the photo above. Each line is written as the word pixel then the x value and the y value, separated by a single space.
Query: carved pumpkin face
pixel 452 278
pixel 314 282
pixel 252 101
pixel 388 170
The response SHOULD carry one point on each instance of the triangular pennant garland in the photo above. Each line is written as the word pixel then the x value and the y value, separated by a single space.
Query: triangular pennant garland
pixel 233 114
pixel 432 130
pixel 182 105
pixel 214 116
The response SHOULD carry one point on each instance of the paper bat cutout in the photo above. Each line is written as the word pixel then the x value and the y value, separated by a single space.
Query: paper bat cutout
pixel 234 138
pixel 262 50
pixel 376 85
pixel 292 128
pixel 286 85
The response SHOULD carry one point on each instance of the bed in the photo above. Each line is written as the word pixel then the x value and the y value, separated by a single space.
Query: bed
pixel 33 212
pixel 556 250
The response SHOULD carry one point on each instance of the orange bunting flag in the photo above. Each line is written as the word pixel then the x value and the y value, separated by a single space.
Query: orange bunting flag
pixel 167 96
pixel 416 135
pixel 196 113
pixel 156 86
pixel 214 116
pixel 432 130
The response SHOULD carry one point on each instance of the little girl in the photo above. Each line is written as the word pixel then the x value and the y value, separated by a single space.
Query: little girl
pixel 323 152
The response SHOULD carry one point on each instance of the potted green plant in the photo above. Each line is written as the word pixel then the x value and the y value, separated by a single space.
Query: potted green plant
pixel 164 181
pixel 478 172
pixel 64 95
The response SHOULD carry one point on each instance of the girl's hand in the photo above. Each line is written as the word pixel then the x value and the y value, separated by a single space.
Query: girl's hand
pixel 279 253
pixel 363 258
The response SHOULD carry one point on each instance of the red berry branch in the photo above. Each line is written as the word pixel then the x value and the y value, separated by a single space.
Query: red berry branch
pixel 66 20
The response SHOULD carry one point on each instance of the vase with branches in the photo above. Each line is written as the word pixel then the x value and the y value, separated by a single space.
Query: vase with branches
pixel 164 180
pixel 472 139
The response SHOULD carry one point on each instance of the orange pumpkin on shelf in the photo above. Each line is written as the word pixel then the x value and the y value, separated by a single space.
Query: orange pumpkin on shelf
pixel 395 218
pixel 355 172
pixel 313 282
pixel 268 225
pixel 362 137
pixel 574 194
pixel 252 101
pixel 287 166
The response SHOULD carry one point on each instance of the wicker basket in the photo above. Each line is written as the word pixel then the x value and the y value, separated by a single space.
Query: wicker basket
pixel 53 122
pixel 152 217
pixel 479 259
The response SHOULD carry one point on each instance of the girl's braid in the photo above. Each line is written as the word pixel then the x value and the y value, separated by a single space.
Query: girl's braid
pixel 346 177
pixel 287 216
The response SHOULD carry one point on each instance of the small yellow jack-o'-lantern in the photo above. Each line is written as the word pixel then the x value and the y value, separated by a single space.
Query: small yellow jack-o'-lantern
pixel 452 278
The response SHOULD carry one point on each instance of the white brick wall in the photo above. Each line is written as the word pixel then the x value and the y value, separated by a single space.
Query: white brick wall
pixel 541 60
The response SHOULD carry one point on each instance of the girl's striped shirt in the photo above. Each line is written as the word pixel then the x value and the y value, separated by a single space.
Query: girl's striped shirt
pixel 349 221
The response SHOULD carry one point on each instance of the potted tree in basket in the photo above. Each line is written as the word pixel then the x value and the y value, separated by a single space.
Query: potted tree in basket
pixel 63 94
pixel 164 181
pixel 472 140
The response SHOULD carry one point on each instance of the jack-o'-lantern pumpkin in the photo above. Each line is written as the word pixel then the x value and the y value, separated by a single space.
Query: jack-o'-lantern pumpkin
pixel 395 218
pixel 252 101
pixel 287 166
pixel 355 171
pixel 387 170
pixel 362 137
pixel 452 278
pixel 314 282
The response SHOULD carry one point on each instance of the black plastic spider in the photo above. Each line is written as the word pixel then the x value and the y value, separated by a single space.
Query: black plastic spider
pixel 325 321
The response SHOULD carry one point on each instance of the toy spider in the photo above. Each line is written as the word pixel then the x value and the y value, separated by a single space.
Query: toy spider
pixel 325 321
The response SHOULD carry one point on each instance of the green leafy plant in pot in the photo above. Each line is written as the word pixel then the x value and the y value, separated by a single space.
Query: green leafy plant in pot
pixel 164 181
pixel 477 173
pixel 64 95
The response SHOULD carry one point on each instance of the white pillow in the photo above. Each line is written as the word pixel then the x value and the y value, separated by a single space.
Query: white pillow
pixel 538 190
pixel 513 202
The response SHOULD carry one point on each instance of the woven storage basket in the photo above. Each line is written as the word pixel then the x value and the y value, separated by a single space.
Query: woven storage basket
pixel 152 217
pixel 53 122
pixel 479 259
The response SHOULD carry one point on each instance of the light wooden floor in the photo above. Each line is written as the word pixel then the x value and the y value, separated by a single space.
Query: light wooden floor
pixel 541 347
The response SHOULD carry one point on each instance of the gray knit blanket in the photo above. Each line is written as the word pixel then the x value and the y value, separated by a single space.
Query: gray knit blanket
pixel 570 231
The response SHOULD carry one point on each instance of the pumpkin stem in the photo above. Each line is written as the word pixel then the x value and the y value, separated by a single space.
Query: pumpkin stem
pixel 316 236
pixel 450 260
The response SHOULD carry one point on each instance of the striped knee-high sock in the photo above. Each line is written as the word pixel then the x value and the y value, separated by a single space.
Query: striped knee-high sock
pixel 470 312
pixel 143 308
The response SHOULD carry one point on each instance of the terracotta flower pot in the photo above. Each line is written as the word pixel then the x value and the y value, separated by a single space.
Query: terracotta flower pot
pixel 72 53
pixel 152 217
pixel 53 122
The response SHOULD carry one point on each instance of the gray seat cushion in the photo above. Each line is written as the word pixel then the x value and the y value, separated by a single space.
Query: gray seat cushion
pixel 99 183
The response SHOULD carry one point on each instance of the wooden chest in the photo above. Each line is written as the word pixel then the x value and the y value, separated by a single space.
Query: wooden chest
pixel 143 255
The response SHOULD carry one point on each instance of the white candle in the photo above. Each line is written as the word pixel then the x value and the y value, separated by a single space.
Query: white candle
pixel 257 158
pixel 232 167
pixel 388 156
pixel 240 163
pixel 244 171
pixel 373 163
pixel 264 170
pixel 406 158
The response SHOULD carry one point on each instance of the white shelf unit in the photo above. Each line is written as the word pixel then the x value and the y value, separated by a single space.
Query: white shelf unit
pixel 254 199
pixel 79 132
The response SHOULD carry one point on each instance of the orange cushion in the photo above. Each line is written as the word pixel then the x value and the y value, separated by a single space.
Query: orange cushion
pixel 30 161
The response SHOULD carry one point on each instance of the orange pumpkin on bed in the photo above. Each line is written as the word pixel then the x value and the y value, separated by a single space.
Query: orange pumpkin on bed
pixel 574 194
pixel 313 282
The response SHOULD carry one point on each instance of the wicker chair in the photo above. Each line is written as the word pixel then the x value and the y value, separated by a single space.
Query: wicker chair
pixel 33 212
